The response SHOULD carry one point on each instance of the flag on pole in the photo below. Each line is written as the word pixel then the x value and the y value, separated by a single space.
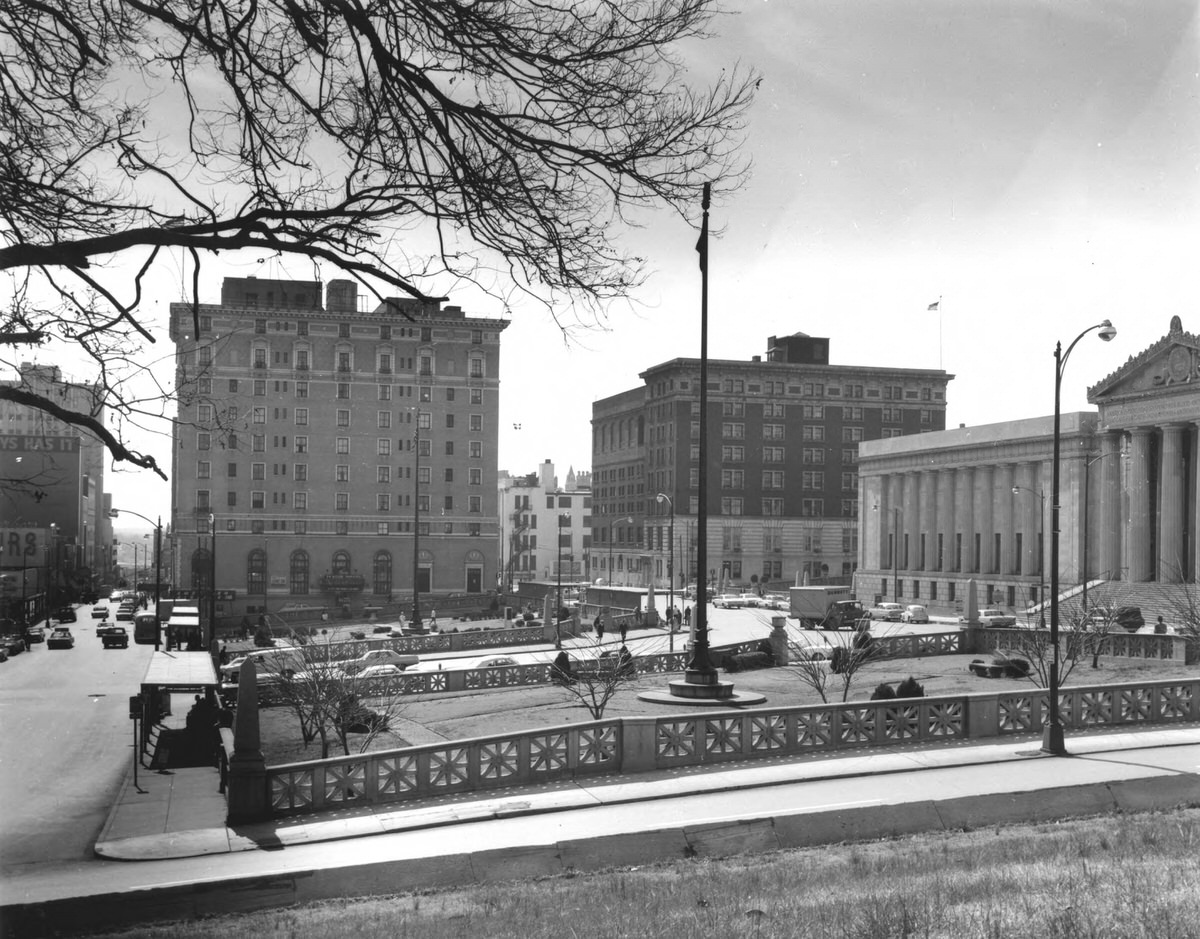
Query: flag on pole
pixel 936 303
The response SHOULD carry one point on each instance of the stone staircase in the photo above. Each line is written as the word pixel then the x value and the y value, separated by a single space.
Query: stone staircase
pixel 1175 603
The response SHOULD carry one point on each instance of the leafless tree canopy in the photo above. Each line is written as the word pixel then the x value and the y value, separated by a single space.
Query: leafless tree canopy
pixel 516 132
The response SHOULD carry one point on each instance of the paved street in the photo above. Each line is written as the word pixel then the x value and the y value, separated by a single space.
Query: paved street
pixel 65 744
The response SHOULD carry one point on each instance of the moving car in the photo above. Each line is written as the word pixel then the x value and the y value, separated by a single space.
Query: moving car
pixel 100 611
pixel 990 616
pixel 65 614
pixel 115 638
pixel 730 601
pixel 401 660
pixel 61 638
pixel 776 601
pixel 106 627
pixel 380 671
pixel 125 612
pixel 914 613
pixel 496 661
pixel 889 612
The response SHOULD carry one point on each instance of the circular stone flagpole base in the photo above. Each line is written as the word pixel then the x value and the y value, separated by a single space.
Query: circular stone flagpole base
pixel 709 695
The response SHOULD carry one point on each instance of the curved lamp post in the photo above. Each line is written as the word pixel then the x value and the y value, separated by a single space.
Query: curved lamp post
pixel 661 498
pixel 1041 551
pixel 113 513
pixel 1052 735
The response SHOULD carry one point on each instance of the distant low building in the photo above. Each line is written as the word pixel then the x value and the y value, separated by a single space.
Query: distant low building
pixel 547 527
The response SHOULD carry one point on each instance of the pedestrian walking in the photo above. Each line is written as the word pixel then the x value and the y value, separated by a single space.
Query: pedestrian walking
pixel 624 629
pixel 687 616
pixel 433 619
pixel 598 625
pixel 599 629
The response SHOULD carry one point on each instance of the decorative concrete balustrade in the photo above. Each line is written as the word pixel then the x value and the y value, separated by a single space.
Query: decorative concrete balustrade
pixel 642 744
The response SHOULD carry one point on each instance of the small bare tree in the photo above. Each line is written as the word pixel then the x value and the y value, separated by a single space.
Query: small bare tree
pixel 831 664
pixel 332 704
pixel 595 682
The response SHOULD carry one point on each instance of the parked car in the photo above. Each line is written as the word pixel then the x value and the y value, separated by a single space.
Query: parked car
pixel 100 611
pixel 65 614
pixel 34 634
pixel 13 643
pixel 776 601
pixel 3 654
pixel 730 601
pixel 889 612
pixel 116 638
pixel 1130 618
pixel 61 638
pixel 914 613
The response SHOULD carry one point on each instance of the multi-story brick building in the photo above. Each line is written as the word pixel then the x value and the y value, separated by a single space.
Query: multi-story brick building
pixel 53 507
pixel 783 435
pixel 339 453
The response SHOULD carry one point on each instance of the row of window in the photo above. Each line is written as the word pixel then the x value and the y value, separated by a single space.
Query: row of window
pixel 299 472
pixel 773 479
pixel 809 508
pixel 386 331
pixel 383 445
pixel 300 501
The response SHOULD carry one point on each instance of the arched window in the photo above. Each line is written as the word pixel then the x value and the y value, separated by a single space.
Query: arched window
pixel 341 562
pixel 382 574
pixel 298 572
pixel 256 572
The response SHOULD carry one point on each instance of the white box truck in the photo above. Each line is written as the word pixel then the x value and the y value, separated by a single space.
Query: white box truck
pixel 825 607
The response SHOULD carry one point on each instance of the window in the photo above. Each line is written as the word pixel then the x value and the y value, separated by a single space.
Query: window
pixel 343 417
pixel 449 474
pixel 203 469
pixel 385 392
pixel 425 365
pixel 202 503
pixel 300 472
pixel 732 479
pixel 302 359
pixel 850 481
pixel 733 409
pixel 383 419
pixel 423 503
pixel 383 502
pixel 301 444
pixel 850 508
pixel 258 499
pixel 426 393
pixel 424 447
pixel 233 386
pixel 385 363
pixel 772 479
pixel 341 473
pixel 260 358
pixel 475 367
pixel 812 508
pixel 301 389
pixel 301 415
pixel 260 327
pixel 774 409
pixel 477 396
pixel 475 449
pixel 851 434
pixel 257 470
pixel 476 476
pixel 260 415
pixel 204 355
pixel 736 430
pixel 342 445
pixel 475 504
pixel 852 414
pixel 772 506
pixel 731 506
pixel 772 454
pixel 812 480
pixel 733 454
pixel 343 390
pixel 204 413
pixel 449 448
pixel 341 501
pixel 476 423
pixel 473 529
pixel 813 433
pixel 448 503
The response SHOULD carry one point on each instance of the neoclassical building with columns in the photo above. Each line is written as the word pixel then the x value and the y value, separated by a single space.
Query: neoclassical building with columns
pixel 974 503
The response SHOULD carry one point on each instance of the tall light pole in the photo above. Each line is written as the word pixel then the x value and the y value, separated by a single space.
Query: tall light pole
pixel 206 640
pixel 51 552
pixel 661 498
pixel 558 588
pixel 1052 736
pixel 416 568
pixel 1041 551
pixel 113 513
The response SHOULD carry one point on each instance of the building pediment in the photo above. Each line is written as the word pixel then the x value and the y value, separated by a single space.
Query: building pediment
pixel 1172 363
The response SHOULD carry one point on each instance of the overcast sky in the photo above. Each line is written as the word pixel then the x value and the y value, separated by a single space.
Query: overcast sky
pixel 1035 165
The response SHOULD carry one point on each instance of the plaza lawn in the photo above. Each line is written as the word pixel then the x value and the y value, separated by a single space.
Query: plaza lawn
pixel 1115 877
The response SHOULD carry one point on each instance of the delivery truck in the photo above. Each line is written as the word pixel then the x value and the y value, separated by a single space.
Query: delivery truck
pixel 825 607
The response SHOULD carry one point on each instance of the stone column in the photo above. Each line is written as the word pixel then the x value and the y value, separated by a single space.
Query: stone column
pixel 1172 474
pixel 248 799
pixel 1138 557
pixel 1109 520
pixel 984 491
pixel 1029 500
pixel 911 520
pixel 895 523
pixel 1007 562
pixel 966 517
pixel 946 526
pixel 929 518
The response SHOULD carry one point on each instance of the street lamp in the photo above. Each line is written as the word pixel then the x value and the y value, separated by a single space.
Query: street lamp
pixel 661 498
pixel 51 551
pixel 113 513
pixel 1052 737
pixel 628 519
pixel 1041 551
pixel 206 641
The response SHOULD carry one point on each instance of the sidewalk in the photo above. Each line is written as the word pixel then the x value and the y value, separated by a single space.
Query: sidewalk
pixel 180 813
